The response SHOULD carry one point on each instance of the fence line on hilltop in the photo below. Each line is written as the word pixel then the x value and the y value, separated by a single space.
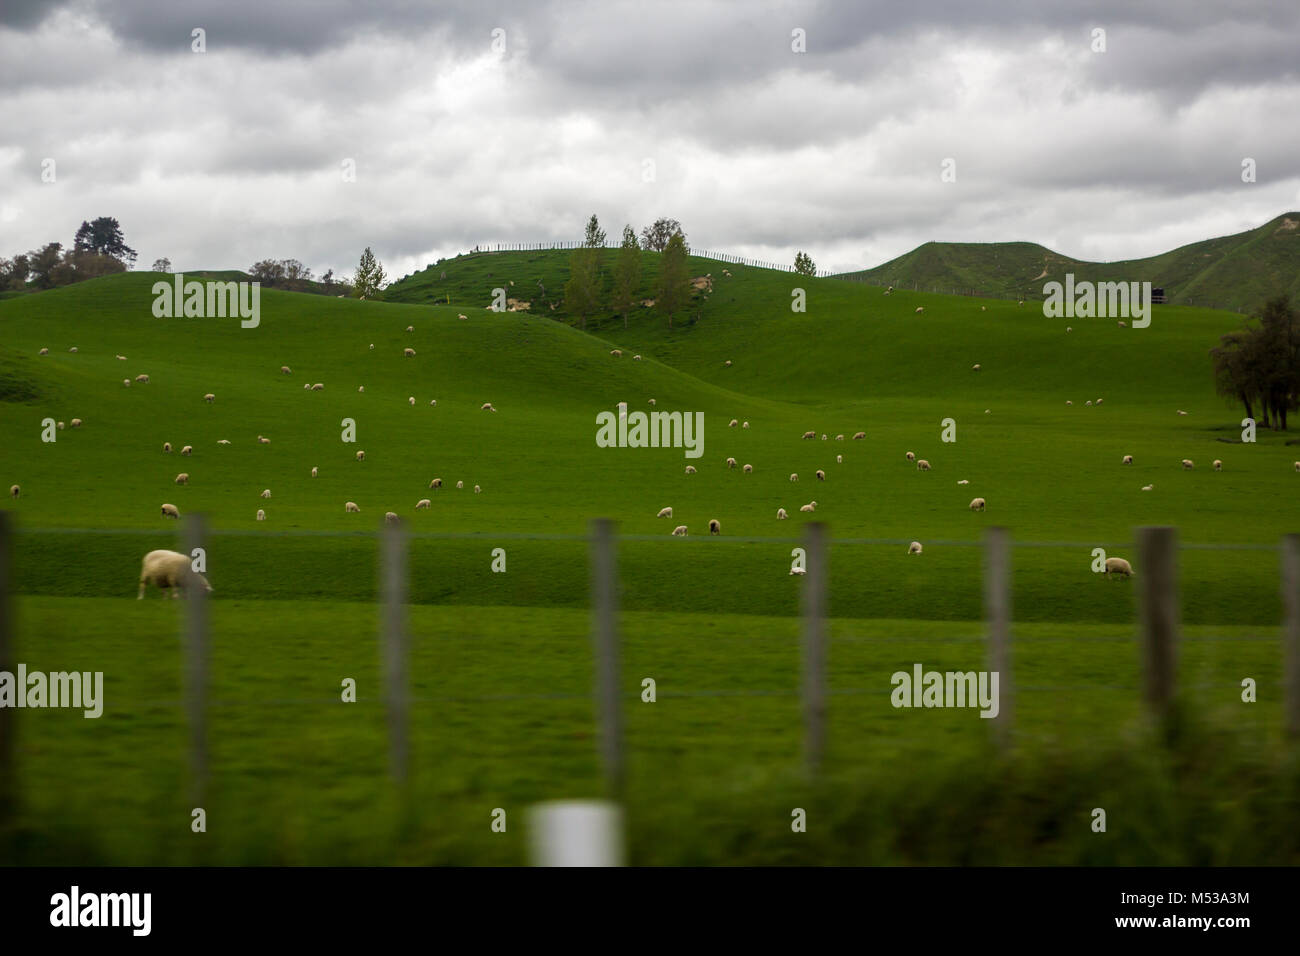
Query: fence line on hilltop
pixel 563 245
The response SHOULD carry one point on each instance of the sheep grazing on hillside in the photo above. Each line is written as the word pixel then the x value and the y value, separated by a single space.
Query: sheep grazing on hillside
pixel 261 515
pixel 1218 465
pixel 361 388
pixel 920 309
pixel 261 440
pixel 636 358
pixel 1147 487
pixel 781 515
pixel 1181 412
pixel 731 463
pixel 223 441
pixel 183 478
pixel 1099 401
pixel 1020 302
pixel 409 352
pixel 680 531
pixel 1297 466
pixel 187 450
pixel 977 504
pixel 126 382
pixel 858 436
pixel 617 353
pixel 839 459
pixel 733 423
pixel 433 402
pixel 209 398
pixel 808 435
pixel 650 401
pixel 170 511
pixel 411 400
pixel 460 485
pixel 727 363
pixel 424 504
pixel 922 465
pixel 167 447
pixel 318 387
pixel 462 315
pixel 794 476
pixel 1188 464
pixel 914 547
pixel 1118 566
pixel 306 385
pixel 73 350
pixel 351 506
pixel 266 493
pixel 975 367
pixel 477 489
pixel 1128 460
pixel 14 491
pixel 910 456
pixel 142 379
pixel 821 475
pixel 1069 328
pixel 361 456
pixel 169 570
pixel 390 517
pixel 372 345
pixel 313 471
pixel 665 513
pixel 60 426
pixel 810 506
pixel 748 469
pixel 744 424
pixel 690 469
pixel 436 483
pixel 410 328
pixel 839 438
pixel 487 407
pixel 44 352
pixel 964 481
pixel 714 526
pixel 1089 402
pixel 824 437
pixel 285 370
pixel 75 423
pixel 1122 324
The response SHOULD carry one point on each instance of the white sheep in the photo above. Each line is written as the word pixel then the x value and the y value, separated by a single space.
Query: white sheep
pixel 636 358
pixel 306 385
pixel 44 352
pixel 650 401
pixel 1297 466
pixel 1181 412
pixel 487 407
pixel 477 489
pixel 975 367
pixel 1069 329
pixel 1068 402
pixel 266 493
pixel 748 469
pixel 807 435
pixel 744 424
pixel 821 475
pixel 75 423
pixel 126 383
pixel 351 506
pixel 411 400
pixel 409 353
pixel 733 423
pixel 390 517
pixel 170 511
pixel 810 506
pixel 223 441
pixel 823 437
pixel 1218 465
pixel 261 440
pixel 617 353
pixel 680 531
pixel 60 426
pixel 1128 459
pixel 361 388
pixel 1123 324
pixel 731 463
pixel 839 438
pixel 914 547
pixel 922 465
pixel 665 513
pixel 781 515
pixel 372 345
pixel 318 387
pixel 285 370
pixel 690 469
pixel 1147 487
pixel 314 471
pixel 410 328
pixel 169 570
pixel 920 309
pixel 183 478
pixel 187 451
pixel 858 436
pixel 436 483
pixel 73 350
pixel 977 504
pixel 424 504
pixel 209 398
pixel 433 401
pixel 1099 401
pixel 714 526
pixel 1118 566
pixel 727 363
pixel 1089 402
pixel 910 456
pixel 14 491
pixel 964 481
pixel 794 476
pixel 461 315
pixel 839 459
pixel 142 379
pixel 460 485
pixel 261 515
pixel 1188 464
pixel 361 456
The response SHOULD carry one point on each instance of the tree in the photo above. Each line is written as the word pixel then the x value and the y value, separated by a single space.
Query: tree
pixel 1261 363
pixel 161 265
pixel 295 273
pixel 674 278
pixel 627 272
pixel 370 279
pixel 43 264
pixel 580 290
pixel 104 236
pixel 267 272
pixel 655 238
pixel 14 272
pixel 804 265
pixel 595 237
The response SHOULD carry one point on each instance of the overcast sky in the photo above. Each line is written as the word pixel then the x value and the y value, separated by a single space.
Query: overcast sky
pixel 633 110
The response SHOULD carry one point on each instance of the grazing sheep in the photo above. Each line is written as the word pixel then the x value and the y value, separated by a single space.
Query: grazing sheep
pixel 261 515
pixel 859 436
pixel 964 481
pixel 223 441
pixel 823 437
pixel 807 435
pixel 1089 402
pixel 45 352
pixel 266 493
pixel 209 398
pixel 781 515
pixel 690 469
pixel 306 385
pixel 808 507
pixel 1122 324
pixel 424 504
pixel 390 517
pixel 183 478
pixel 1218 465
pixel 1188 464
pixel 1128 460
pixel 839 459
pixel 1068 402
pixel 794 477
pixel 665 513
pixel 170 511
pixel 361 456
pixel 60 426
pixel 1297 466
pixel 636 358
pixel 1147 487
pixel 461 315
pixel 821 475
pixel 361 388
pixel 922 465
pixel 839 438
pixel 187 450
pixel 975 367
pixel 410 328
pixel 1069 329
pixel 977 504
pixel 733 423
pixel 411 400
pixel 73 349
pixel 75 423
pixel 1181 412
pixel 910 456
pixel 920 309
pixel 617 353
pixel 142 379
pixel 350 506
pixel 487 407
pixel 436 483
pixel 744 424
pixel 460 485
pixel 680 531
pixel 731 463
pixel 372 345
pixel 14 491
pixel 1021 302
pixel 409 353
pixel 285 370
pixel 167 447
pixel 477 489
pixel 726 364
pixel 318 387
pixel 650 401
pixel 263 441
pixel 169 570
pixel 914 547
pixel 1118 566
pixel 1099 401
pixel 748 469
pixel 433 401
pixel 126 382
pixel 714 526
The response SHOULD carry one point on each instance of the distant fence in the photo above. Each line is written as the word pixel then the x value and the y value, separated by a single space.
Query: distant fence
pixel 491 247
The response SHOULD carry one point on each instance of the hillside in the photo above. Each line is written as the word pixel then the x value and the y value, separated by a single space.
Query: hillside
pixel 1236 272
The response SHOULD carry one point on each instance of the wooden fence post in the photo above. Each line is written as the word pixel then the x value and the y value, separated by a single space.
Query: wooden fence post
pixel 1291 631
pixel 1158 615
pixel 997 607
pixel 392 589
pixel 604 584
pixel 814 645
pixel 195 641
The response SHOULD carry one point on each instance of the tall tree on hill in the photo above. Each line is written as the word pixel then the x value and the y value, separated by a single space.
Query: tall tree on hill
pixel 1261 363
pixel 594 239
pixel 103 236
pixel 655 238
pixel 161 265
pixel 43 265
pixel 674 277
pixel 370 278
pixel 627 272
pixel 804 265
pixel 580 297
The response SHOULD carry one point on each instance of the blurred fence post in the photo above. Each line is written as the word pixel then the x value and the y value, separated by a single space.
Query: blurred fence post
pixel 1158 616
pixel 814 645
pixel 1291 631
pixel 8 784
pixel 195 638
pixel 997 607
pixel 576 833
pixel 392 590
pixel 604 584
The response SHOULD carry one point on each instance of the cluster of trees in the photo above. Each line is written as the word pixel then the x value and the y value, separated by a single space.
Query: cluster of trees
pixel 293 275
pixel 1259 364
pixel 586 292
pixel 98 249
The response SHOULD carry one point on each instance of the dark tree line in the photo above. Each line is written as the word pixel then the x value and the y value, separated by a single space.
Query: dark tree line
pixel 584 293
pixel 1259 364
pixel 98 249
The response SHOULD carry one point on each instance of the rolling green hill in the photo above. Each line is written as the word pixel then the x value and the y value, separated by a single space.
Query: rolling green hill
pixel 1236 272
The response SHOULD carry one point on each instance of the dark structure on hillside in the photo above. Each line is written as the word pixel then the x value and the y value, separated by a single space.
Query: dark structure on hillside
pixel 1157 296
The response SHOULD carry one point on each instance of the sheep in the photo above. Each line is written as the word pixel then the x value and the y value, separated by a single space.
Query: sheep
pixel 223 441
pixel 351 506
pixel 169 570
pixel 733 423
pixel 617 353
pixel 748 469
pixel 126 383
pixel 977 504
pixel 839 459
pixel 679 531
pixel 187 450
pixel 1128 460
pixel 808 435
pixel 714 526
pixel 306 385
pixel 781 515
pixel 170 511
pixel 964 481
pixel 1218 465
pixel 209 398
pixel 920 309
pixel 922 465
pixel 75 423
pixel 1147 487
pixel 460 485
pixel 1123 324
pixel 462 315
pixel 487 407
pixel 1181 412
pixel 424 504
pixel 436 483
pixel 744 424
pixel 73 350
pixel 914 547
pixel 665 513
pixel 477 489
pixel 433 402
pixel 261 515
pixel 1068 402
pixel 411 400
pixel 410 328
pixel 1099 401
pixel 794 476
pixel 285 370
pixel 731 463
pixel 1297 466
pixel 361 389
pixel 142 379
pixel 44 352
pixel 372 345
pixel 266 493
pixel 1069 328
pixel 318 387
pixel 14 491
pixel 183 478
pixel 60 426
pixel 839 438
pixel 636 358
pixel 975 367
pixel 314 471
pixel 690 469
pixel 983 309
pixel 858 436
pixel 390 517
pixel 1118 566
pixel 263 441
pixel 1188 464
pixel 727 363
pixel 650 401
pixel 823 437
pixel 808 507
pixel 409 352
pixel 1088 403
pixel 910 456
pixel 1020 302
pixel 361 456
pixel 821 475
